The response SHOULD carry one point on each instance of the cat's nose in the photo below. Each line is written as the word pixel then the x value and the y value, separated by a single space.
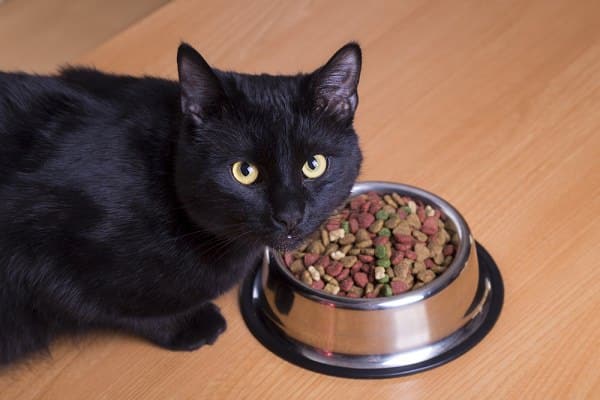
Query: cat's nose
pixel 288 219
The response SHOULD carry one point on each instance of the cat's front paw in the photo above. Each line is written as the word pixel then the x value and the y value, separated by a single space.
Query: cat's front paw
pixel 197 329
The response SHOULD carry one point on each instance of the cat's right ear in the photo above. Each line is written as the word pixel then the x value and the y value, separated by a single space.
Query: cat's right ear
pixel 334 86
pixel 201 91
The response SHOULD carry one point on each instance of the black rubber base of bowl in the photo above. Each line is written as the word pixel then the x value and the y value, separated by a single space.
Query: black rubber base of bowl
pixel 267 334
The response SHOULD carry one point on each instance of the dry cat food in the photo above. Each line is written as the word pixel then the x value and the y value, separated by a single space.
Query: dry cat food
pixel 376 246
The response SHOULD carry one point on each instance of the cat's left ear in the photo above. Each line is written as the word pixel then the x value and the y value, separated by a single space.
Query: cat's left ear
pixel 201 91
pixel 334 86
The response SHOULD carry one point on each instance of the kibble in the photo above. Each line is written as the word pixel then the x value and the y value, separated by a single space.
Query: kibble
pixel 377 246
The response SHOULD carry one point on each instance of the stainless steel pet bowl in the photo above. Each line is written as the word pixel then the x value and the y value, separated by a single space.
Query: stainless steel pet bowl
pixel 378 337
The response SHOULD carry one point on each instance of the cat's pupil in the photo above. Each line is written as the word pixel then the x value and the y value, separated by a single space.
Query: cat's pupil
pixel 313 163
pixel 246 169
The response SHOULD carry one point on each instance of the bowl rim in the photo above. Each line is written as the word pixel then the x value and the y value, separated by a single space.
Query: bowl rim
pixel 410 297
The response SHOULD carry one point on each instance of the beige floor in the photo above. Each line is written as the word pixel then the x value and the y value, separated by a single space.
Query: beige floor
pixel 39 35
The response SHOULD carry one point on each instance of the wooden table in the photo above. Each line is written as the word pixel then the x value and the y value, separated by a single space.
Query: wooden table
pixel 493 105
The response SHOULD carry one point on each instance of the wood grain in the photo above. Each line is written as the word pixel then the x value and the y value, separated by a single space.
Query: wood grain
pixel 492 105
pixel 40 35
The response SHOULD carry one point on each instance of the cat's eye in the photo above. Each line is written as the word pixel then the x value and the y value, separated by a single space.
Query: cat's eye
pixel 315 166
pixel 244 172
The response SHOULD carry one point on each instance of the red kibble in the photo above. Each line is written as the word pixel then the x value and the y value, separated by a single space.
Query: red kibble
pixel 366 268
pixel 356 203
pixel 365 258
pixel 324 261
pixel 318 285
pixel 375 207
pixel 310 259
pixel 448 250
pixel 421 213
pixel 398 287
pixel 402 247
pixel 429 263
pixel 332 226
pixel 381 240
pixel 346 284
pixel 361 279
pixel 397 258
pixel 370 295
pixel 404 239
pixel 430 226
pixel 365 206
pixel 410 254
pixel 344 274
pixel 353 223
pixel 401 213
pixel 365 220
pixel 374 196
pixel 334 269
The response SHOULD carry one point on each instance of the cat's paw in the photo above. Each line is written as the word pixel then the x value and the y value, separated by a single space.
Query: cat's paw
pixel 197 329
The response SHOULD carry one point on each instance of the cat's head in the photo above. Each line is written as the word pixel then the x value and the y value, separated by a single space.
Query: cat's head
pixel 266 158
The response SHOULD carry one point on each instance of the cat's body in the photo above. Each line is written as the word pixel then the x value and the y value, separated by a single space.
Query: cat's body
pixel 118 208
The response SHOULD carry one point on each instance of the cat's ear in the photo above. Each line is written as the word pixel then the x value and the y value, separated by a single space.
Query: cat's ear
pixel 334 84
pixel 201 91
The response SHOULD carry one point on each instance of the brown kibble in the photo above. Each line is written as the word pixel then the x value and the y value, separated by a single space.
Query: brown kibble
pixel 422 251
pixel 413 221
pixel 403 228
pixel 389 209
pixel 437 269
pixel 447 261
pixel 354 252
pixel 347 239
pixel 390 201
pixel 306 278
pixel 325 237
pixel 316 247
pixel 420 236
pixel 364 244
pixel 331 288
pixel 392 222
pixel 376 226
pixel 331 248
pixel 377 289
pixel 349 261
pixel 362 235
pixel 426 276
pixel 368 251
pixel 418 266
pixel 398 199
pixel 297 266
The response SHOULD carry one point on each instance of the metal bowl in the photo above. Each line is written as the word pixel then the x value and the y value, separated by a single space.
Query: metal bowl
pixel 378 333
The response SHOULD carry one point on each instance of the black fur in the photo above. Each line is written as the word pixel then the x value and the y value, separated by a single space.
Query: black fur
pixel 118 209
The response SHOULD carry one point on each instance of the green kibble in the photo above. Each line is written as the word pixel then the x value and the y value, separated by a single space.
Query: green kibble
pixel 380 251
pixel 384 232
pixel 346 226
pixel 386 290
pixel 383 262
pixel 382 215
pixel 407 209
pixel 385 279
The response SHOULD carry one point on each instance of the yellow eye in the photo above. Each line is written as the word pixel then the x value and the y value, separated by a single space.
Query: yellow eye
pixel 244 172
pixel 315 166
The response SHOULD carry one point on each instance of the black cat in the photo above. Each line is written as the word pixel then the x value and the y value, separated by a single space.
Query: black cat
pixel 129 203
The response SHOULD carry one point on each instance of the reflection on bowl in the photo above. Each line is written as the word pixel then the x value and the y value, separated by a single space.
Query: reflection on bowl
pixel 378 332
